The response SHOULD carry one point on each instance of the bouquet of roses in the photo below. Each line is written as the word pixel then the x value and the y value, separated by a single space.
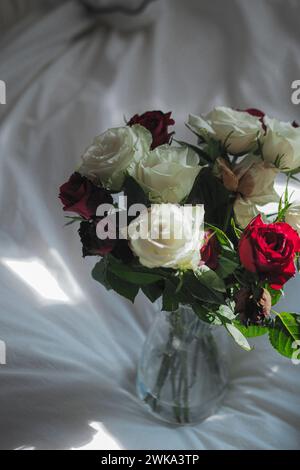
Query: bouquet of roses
pixel 185 221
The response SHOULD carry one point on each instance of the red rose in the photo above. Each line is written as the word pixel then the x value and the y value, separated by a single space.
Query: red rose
pixel 269 250
pixel 81 196
pixel 210 251
pixel 157 123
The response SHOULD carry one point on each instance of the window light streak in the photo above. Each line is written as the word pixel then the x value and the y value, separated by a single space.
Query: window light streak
pixel 102 440
pixel 38 277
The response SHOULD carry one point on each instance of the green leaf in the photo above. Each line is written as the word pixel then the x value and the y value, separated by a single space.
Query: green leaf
pixel 134 192
pixel 170 301
pixel 210 279
pixel 298 262
pixel 252 330
pixel 275 294
pixel 238 337
pixel 99 273
pixel 291 321
pixel 222 237
pixel 135 277
pixel 227 265
pixel 134 272
pixel 285 333
pixel 152 291
pixel 201 292
pixel 295 179
pixel 213 148
pixel 295 171
pixel 203 156
pixel 225 314
pixel 205 314
pixel 238 232
pixel 246 278
pixel 211 192
pixel 73 219
pixel 126 289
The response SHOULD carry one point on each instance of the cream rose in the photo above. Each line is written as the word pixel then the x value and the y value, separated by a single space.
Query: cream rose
pixel 256 180
pixel 237 128
pixel 113 153
pixel 244 211
pixel 255 186
pixel 281 144
pixel 292 216
pixel 168 235
pixel 167 174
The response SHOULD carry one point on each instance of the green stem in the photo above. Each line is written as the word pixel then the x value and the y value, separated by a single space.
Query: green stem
pixel 176 406
pixel 163 370
pixel 227 217
pixel 174 364
pixel 185 386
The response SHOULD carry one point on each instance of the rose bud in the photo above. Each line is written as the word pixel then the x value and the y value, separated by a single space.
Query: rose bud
pixel 251 309
pixel 157 123
pixel 91 244
pixel 269 250
pixel 81 196
pixel 210 251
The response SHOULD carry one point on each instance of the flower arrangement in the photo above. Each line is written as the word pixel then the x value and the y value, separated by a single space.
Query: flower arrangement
pixel 185 221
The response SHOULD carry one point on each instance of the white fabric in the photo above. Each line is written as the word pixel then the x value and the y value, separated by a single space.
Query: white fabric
pixel 72 348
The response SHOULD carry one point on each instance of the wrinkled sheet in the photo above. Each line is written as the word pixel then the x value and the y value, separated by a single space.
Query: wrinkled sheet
pixel 71 347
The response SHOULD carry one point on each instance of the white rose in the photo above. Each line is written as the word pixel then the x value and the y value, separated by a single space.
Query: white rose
pixel 113 153
pixel 237 128
pixel 244 211
pixel 292 216
pixel 168 235
pixel 167 174
pixel 281 145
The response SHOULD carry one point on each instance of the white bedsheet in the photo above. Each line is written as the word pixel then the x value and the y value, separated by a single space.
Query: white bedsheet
pixel 72 348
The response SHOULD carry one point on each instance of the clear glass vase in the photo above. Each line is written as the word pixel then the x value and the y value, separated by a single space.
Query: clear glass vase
pixel 182 373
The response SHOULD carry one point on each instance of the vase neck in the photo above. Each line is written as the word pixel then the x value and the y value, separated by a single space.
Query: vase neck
pixel 185 320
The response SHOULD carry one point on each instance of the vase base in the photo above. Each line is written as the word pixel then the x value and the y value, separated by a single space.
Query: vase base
pixel 177 414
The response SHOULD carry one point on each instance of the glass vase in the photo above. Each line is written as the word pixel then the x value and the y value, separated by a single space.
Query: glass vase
pixel 182 373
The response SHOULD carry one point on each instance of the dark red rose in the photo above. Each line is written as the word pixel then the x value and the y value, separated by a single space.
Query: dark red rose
pixel 81 196
pixel 122 251
pixel 157 123
pixel 210 251
pixel 257 113
pixel 91 244
pixel 253 307
pixel 269 250
pixel 260 114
